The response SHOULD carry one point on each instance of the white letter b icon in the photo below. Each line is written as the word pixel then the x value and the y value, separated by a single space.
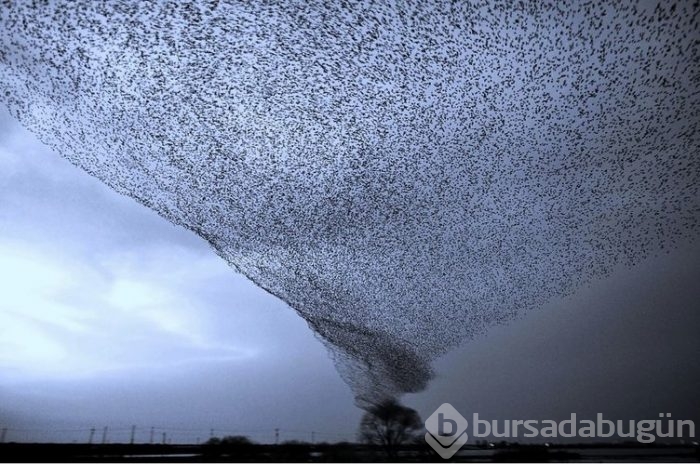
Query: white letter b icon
pixel 446 431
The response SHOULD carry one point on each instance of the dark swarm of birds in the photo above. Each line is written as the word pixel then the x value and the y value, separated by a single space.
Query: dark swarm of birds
pixel 404 174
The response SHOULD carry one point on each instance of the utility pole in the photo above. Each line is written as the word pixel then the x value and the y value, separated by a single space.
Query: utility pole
pixel 104 435
pixel 133 431
pixel 4 434
pixel 152 432
pixel 277 436
pixel 92 434
pixel 211 433
pixel 163 437
pixel 313 438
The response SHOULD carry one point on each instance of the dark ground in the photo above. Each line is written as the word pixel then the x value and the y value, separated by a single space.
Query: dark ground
pixel 343 452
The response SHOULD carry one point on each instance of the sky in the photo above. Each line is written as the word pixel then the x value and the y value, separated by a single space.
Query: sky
pixel 110 316
pixel 404 174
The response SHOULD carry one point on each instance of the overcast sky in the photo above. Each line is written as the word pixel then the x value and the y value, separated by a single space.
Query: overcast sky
pixel 111 316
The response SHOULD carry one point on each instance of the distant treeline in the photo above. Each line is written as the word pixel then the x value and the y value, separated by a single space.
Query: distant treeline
pixel 222 450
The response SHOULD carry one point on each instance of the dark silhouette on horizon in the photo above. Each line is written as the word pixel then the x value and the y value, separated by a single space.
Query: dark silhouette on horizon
pixel 390 425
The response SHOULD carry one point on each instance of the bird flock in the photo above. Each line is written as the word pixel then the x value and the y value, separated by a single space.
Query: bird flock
pixel 404 174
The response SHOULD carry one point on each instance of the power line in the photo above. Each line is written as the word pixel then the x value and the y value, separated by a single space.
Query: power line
pixel 175 434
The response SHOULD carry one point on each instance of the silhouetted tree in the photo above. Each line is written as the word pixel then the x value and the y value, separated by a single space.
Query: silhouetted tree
pixel 231 445
pixel 236 440
pixel 389 425
pixel 295 443
pixel 229 440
